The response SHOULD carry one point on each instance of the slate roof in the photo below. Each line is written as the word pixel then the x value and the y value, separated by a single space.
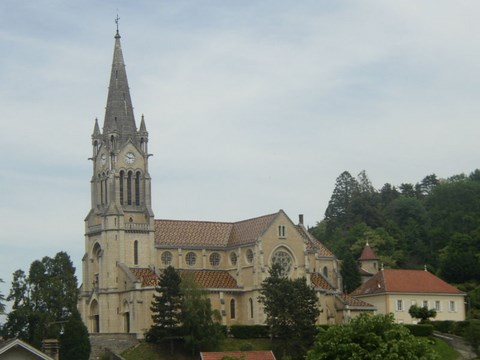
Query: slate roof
pixel 405 281
pixel 246 355
pixel 367 254
pixel 183 233
pixel 209 279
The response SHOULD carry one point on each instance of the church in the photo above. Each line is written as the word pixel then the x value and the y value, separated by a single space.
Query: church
pixel 126 248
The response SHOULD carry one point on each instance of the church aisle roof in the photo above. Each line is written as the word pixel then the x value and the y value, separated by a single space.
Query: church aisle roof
pixel 320 282
pixel 210 234
pixel 209 279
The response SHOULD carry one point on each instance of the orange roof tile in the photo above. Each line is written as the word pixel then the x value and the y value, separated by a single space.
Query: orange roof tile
pixel 313 243
pixel 405 281
pixel 209 233
pixel 320 282
pixel 209 279
pixel 146 276
pixel 246 355
pixel 353 302
pixel 212 279
pixel 367 254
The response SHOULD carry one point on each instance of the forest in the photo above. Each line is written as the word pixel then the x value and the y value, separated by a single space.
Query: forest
pixel 433 223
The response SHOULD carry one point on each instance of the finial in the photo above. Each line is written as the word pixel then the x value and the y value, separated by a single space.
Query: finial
pixel 116 22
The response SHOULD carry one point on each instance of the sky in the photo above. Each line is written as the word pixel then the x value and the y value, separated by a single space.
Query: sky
pixel 251 106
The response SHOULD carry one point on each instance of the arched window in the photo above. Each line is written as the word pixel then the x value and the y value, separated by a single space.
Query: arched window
pixel 122 176
pixel 283 258
pixel 214 259
pixel 166 258
pixel 191 258
pixel 135 252
pixel 250 302
pixel 325 271
pixel 232 309
pixel 129 188
pixel 137 188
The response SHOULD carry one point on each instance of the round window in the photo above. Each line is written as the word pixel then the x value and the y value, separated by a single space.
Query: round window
pixel 166 258
pixel 249 255
pixel 191 258
pixel 215 259
pixel 233 258
pixel 283 258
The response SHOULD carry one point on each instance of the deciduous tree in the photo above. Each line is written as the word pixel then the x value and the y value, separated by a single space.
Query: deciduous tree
pixel 423 313
pixel 369 337
pixel 74 341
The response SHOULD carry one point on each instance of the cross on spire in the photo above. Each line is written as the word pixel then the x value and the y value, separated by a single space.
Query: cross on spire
pixel 116 21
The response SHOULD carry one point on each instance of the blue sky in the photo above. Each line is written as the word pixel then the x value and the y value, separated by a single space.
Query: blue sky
pixel 251 106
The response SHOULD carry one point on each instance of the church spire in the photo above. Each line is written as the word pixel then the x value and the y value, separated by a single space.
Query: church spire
pixel 119 116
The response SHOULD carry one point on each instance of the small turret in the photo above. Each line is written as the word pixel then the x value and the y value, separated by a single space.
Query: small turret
pixel 368 263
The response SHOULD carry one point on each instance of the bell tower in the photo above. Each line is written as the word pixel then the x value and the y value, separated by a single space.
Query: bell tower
pixel 119 228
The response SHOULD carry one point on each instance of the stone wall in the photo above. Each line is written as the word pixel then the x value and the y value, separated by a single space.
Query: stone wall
pixel 114 342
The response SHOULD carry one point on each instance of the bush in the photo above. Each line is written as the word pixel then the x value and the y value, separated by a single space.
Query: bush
pixel 249 331
pixel 420 329
pixel 446 326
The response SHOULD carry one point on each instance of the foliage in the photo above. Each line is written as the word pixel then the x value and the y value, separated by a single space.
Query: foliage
pixel 249 331
pixel 74 342
pixel 42 300
pixel 2 301
pixel 370 337
pixel 420 329
pixel 166 307
pixel 472 335
pixel 432 222
pixel 422 313
pixel 291 311
pixel 350 274
pixel 200 323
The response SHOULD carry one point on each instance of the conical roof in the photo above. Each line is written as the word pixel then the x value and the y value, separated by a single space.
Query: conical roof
pixel 368 254
pixel 119 110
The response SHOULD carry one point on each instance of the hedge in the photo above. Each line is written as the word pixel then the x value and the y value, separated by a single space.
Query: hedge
pixel 249 331
pixel 420 329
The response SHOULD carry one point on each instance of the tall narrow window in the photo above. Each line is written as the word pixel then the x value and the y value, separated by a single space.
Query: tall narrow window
pixel 325 271
pixel 101 192
pixel 106 191
pixel 250 301
pixel 137 188
pixel 135 252
pixel 129 188
pixel 122 176
pixel 232 309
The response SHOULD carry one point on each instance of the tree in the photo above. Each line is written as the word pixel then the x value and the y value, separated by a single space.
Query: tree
pixel 422 313
pixel 2 301
pixel 350 274
pixel 166 307
pixel 41 300
pixel 74 342
pixel 291 311
pixel 370 337
pixel 201 325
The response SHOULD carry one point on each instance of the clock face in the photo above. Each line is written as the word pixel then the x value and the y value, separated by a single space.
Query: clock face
pixel 103 159
pixel 130 158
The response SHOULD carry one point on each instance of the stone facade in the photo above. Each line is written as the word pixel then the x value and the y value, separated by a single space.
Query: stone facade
pixel 126 249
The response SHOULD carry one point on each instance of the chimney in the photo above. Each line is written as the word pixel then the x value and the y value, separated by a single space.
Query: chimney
pixel 300 219
pixel 51 348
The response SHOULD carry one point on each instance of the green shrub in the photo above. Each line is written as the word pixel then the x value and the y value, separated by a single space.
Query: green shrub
pixel 420 329
pixel 246 347
pixel 249 331
pixel 445 326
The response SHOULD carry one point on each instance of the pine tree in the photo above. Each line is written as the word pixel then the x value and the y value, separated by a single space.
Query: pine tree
pixel 166 307
pixel 350 273
pixel 74 342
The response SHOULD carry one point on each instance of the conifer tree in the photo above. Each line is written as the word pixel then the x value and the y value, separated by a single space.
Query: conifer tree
pixel 166 306
pixel 74 342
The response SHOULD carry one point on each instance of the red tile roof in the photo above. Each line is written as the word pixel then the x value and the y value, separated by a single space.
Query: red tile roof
pixel 246 355
pixel 352 302
pixel 313 243
pixel 146 276
pixel 209 279
pixel 320 282
pixel 405 281
pixel 210 234
pixel 368 254
pixel 212 279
